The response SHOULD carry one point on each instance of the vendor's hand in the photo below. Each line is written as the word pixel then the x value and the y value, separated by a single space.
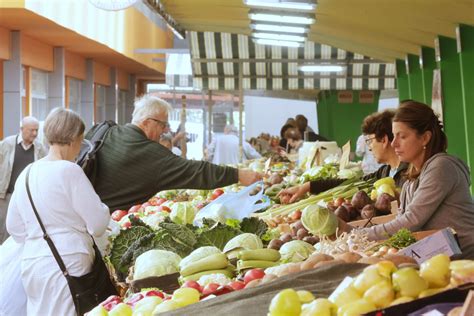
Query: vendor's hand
pixel 247 177
pixel 293 194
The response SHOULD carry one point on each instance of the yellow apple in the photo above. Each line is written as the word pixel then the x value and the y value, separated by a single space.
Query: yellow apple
pixel 380 294
pixel 436 271
pixel 369 277
pixel 121 309
pixel 319 307
pixel 407 282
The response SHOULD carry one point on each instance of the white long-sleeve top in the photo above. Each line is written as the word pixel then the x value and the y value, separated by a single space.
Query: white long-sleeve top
pixel 67 205
pixel 224 149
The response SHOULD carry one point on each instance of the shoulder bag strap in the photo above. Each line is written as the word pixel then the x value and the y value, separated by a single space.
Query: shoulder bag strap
pixel 45 235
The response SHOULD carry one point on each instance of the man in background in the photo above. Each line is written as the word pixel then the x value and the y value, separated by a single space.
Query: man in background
pixel 17 152
pixel 307 133
pixel 224 149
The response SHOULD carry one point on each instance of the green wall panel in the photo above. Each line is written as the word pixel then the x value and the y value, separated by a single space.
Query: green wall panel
pixel 342 122
pixel 428 65
pixel 466 61
pixel 402 80
pixel 453 109
pixel 415 83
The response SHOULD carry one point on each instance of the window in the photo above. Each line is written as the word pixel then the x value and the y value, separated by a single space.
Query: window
pixel 75 95
pixel 99 104
pixel 39 94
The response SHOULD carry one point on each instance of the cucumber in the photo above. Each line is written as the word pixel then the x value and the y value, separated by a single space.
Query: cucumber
pixel 260 254
pixel 213 262
pixel 251 264
pixel 197 276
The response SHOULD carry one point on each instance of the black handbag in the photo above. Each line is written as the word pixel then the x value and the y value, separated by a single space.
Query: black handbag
pixel 89 290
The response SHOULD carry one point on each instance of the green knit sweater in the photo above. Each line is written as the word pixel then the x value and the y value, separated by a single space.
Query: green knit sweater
pixel 131 169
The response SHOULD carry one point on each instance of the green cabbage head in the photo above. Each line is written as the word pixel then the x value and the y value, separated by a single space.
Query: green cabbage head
pixel 295 251
pixel 247 241
pixel 155 263
pixel 319 221
pixel 183 213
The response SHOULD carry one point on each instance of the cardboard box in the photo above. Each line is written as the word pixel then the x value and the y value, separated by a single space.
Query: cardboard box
pixel 443 241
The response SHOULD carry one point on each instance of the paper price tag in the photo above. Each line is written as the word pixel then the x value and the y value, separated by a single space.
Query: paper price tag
pixel 267 165
pixel 346 151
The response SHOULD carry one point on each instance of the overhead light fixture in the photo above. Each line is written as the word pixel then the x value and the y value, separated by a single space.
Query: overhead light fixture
pixel 281 17
pixel 263 41
pixel 279 37
pixel 283 4
pixel 279 28
pixel 321 68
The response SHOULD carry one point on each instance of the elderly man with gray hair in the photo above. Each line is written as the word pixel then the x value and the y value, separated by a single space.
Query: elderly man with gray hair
pixel 16 152
pixel 133 165
pixel 224 149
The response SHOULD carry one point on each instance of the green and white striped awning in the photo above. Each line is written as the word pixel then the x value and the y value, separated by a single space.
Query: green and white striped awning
pixel 216 59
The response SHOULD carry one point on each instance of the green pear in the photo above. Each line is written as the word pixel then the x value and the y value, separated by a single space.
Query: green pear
pixel 121 309
pixel 319 307
pixel 346 296
pixel 368 278
pixel 380 294
pixel 407 282
pixel 436 271
pixel 99 310
pixel 356 308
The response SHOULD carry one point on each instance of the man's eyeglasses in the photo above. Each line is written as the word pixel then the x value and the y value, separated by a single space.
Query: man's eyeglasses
pixel 162 123
pixel 368 141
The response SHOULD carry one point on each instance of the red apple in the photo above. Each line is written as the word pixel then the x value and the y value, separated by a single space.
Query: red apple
pixel 237 285
pixel 135 298
pixel 216 193
pixel 111 302
pixel 155 293
pixel 210 289
pixel 134 209
pixel 192 284
pixel 223 289
pixel 253 274
pixel 118 214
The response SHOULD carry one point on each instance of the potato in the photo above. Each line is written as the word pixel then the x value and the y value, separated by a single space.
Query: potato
pixel 369 260
pixel 320 257
pixel 399 259
pixel 327 263
pixel 349 257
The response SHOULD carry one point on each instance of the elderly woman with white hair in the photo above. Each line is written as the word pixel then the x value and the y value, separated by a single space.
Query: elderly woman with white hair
pixel 70 211
pixel 133 165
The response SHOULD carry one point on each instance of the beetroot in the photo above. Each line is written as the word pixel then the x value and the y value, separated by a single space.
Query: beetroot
pixel 360 199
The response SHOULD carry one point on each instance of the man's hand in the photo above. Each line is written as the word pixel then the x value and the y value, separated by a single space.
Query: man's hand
pixel 247 177
pixel 293 194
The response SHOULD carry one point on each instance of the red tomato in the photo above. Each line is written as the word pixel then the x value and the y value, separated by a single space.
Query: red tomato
pixel 210 289
pixel 135 298
pixel 111 302
pixel 118 214
pixel 193 284
pixel 134 209
pixel 253 274
pixel 237 285
pixel 164 208
pixel 216 193
pixel 155 293
pixel 156 201
pixel 223 289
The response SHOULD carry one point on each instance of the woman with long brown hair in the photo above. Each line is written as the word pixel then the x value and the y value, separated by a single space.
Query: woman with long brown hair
pixel 436 194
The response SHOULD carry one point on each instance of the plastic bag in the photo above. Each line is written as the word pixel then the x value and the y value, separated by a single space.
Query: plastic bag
pixel 233 205
pixel 12 294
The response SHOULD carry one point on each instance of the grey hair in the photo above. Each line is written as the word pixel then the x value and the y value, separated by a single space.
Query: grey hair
pixel 28 120
pixel 63 126
pixel 147 106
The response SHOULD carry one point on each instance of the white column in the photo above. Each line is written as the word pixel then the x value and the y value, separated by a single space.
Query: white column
pixel 111 97
pixel 87 95
pixel 57 80
pixel 12 77
pixel 132 91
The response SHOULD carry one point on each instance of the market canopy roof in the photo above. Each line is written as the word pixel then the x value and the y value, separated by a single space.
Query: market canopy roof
pixel 216 57
pixel 382 29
